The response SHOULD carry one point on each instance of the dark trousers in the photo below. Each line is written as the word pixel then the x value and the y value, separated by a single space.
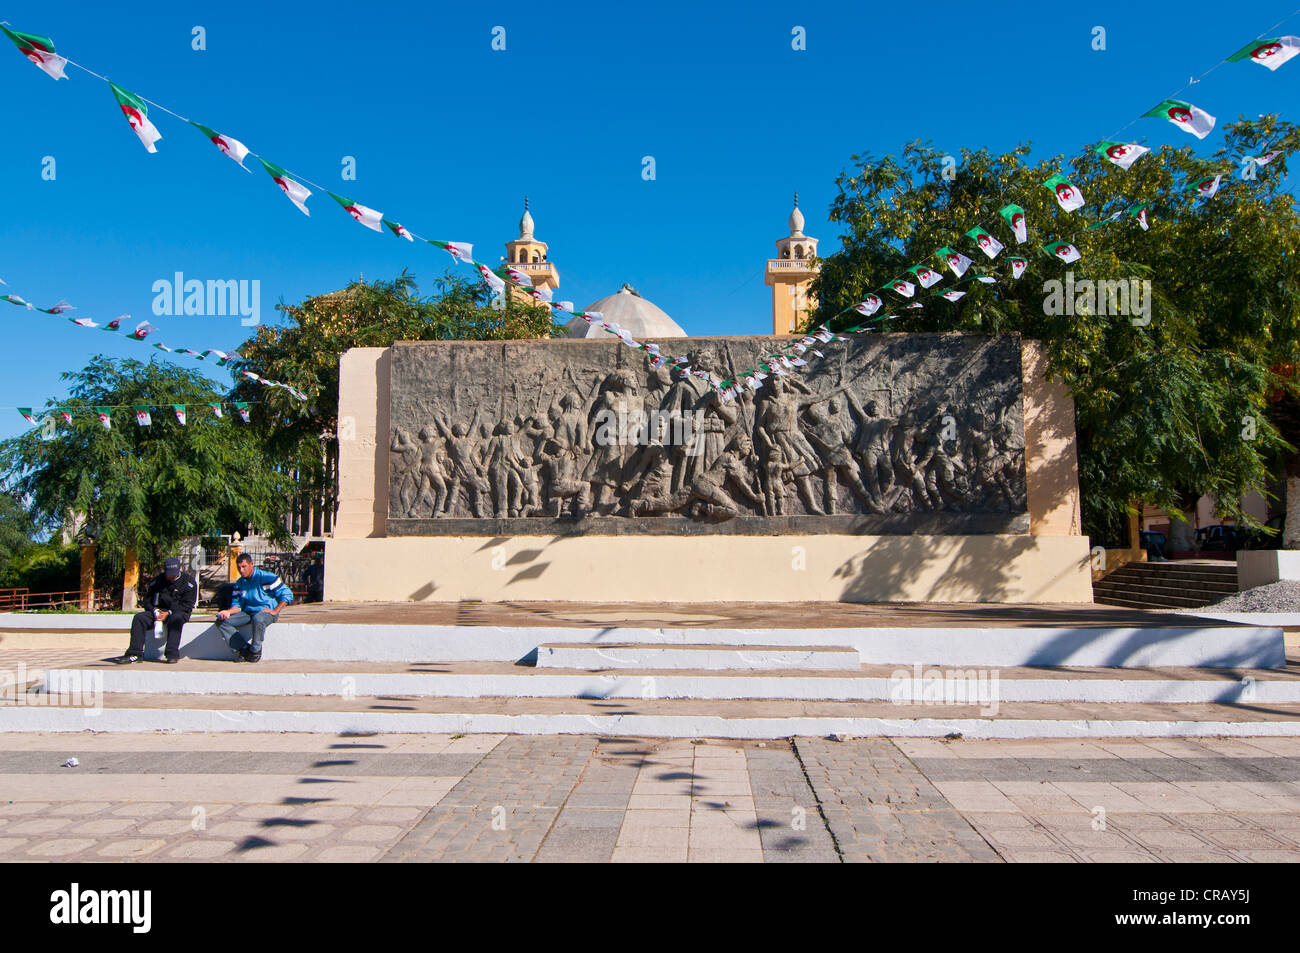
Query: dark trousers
pixel 142 626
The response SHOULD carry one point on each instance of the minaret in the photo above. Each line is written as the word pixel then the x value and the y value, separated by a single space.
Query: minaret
pixel 790 275
pixel 528 255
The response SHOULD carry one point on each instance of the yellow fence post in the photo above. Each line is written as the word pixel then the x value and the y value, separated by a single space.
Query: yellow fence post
pixel 88 577
pixel 130 579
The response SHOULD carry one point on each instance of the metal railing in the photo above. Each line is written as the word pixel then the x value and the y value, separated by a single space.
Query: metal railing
pixel 24 600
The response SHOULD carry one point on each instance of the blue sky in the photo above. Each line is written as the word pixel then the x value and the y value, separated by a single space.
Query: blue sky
pixel 448 135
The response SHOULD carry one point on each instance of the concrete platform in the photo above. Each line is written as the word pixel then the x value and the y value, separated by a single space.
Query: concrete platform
pixel 751 658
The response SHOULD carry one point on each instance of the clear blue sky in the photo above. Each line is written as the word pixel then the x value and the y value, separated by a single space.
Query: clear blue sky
pixel 448 136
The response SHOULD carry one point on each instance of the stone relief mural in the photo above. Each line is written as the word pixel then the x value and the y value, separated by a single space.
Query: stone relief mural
pixel 891 433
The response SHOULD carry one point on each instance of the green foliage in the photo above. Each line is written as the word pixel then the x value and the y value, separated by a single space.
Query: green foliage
pixel 145 488
pixel 16 531
pixel 45 567
pixel 1160 409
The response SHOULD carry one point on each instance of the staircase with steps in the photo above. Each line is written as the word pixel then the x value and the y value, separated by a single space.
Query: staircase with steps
pixel 1010 682
pixel 1167 585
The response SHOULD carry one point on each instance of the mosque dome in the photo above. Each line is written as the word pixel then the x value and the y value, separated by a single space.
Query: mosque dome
pixel 636 315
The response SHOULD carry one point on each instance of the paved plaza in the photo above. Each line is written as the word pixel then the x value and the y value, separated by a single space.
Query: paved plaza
pixel 393 798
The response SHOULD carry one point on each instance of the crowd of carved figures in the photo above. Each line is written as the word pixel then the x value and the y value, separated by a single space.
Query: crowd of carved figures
pixel 675 448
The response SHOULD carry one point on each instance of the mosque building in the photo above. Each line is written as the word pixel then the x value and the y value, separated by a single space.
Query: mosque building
pixel 789 275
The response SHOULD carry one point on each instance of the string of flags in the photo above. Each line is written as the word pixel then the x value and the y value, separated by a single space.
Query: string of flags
pixel 143 330
pixel 1270 53
pixel 1267 52
pixel 143 412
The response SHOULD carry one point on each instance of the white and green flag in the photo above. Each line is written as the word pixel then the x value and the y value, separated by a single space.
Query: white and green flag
pixel 461 251
pixel 1067 194
pixel 228 146
pixel 366 216
pixel 1264 159
pixel 868 305
pixel 1206 187
pixel 399 230
pixel 179 410
pixel 1014 216
pixel 903 287
pixel 296 192
pixel 1140 213
pixel 137 114
pixel 1123 154
pixel 40 50
pixel 987 243
pixel 142 416
pixel 951 294
pixel 955 260
pixel 1063 250
pixel 1018 266
pixel 1269 54
pixel 105 417
pixel 926 276
pixel 1185 116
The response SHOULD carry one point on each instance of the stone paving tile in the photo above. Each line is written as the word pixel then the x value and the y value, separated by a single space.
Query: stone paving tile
pixel 880 807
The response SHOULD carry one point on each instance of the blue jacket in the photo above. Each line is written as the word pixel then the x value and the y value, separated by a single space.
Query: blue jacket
pixel 262 590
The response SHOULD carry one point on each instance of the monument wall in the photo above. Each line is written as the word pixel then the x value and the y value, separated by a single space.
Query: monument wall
pixel 897 467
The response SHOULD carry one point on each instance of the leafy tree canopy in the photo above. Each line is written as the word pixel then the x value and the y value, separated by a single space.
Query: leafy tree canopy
pixel 145 488
pixel 1165 411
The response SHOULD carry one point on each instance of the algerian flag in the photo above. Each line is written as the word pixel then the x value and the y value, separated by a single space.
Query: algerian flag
pixel 399 230
pixel 40 50
pixel 104 417
pixel 222 356
pixel 14 299
pixel 1140 213
pixel 59 308
pixel 1067 195
pixel 241 407
pixel 228 146
pixel 461 251
pixel 1185 116
pixel 137 114
pixel 914 304
pixel 1063 250
pixel 987 243
pixel 215 408
pixel 142 416
pixel 366 216
pixel 1264 159
pixel 84 322
pixel 951 295
pixel 180 413
pixel 986 279
pixel 1018 266
pixel 955 260
pixel 905 288
pixel 1207 186
pixel 868 305
pixel 254 377
pixel 162 347
pixel 65 414
pixel 296 191
pixel 494 280
pixel 142 331
pixel 515 275
pixel 1267 53
pixel 926 276
pixel 1112 217
pixel 1123 154
pixel 27 415
pixel 194 354
pixel 1015 217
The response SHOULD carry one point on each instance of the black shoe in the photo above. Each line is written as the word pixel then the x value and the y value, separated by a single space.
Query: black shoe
pixel 171 660
pixel 125 659
pixel 252 656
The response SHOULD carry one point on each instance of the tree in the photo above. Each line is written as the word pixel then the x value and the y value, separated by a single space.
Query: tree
pixel 16 531
pixel 145 488
pixel 305 354
pixel 1164 411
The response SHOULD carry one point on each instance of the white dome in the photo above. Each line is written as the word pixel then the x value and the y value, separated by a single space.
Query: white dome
pixel 632 313
pixel 796 223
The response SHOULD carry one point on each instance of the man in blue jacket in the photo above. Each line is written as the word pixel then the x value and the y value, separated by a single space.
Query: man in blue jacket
pixel 257 600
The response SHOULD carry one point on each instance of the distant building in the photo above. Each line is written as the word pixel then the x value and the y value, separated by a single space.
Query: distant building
pixel 790 276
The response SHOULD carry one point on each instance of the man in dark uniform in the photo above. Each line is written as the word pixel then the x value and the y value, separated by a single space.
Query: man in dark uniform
pixel 169 599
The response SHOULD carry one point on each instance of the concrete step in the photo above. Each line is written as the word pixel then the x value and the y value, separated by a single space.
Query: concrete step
pixel 1137 598
pixel 701 657
pixel 1157 585
pixel 496 680
pixel 652 718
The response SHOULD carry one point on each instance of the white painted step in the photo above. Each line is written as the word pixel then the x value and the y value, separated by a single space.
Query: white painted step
pixel 751 658
pixel 978 686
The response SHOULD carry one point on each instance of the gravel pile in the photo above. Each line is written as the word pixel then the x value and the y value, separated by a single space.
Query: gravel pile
pixel 1282 596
